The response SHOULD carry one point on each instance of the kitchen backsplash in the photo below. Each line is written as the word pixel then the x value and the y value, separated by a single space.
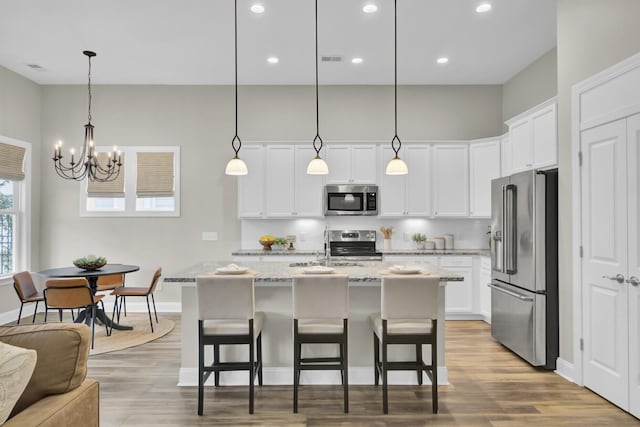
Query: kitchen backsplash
pixel 468 233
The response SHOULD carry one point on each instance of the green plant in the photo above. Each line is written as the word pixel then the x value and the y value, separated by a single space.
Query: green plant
pixel 280 241
pixel 419 238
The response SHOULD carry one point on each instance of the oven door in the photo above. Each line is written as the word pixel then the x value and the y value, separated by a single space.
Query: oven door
pixel 345 203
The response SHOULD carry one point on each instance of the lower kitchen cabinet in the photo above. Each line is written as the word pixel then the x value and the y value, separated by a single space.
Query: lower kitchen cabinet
pixel 459 295
pixel 482 288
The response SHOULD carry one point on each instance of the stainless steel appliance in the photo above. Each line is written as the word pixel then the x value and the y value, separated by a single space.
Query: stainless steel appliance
pixel 351 200
pixel 352 245
pixel 524 265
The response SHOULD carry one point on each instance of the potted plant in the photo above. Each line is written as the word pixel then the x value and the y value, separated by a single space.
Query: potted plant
pixel 420 240
pixel 280 242
pixel 387 232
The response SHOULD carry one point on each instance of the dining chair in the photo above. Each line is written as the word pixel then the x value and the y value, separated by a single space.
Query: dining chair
pixel 110 283
pixel 227 316
pixel 321 316
pixel 133 291
pixel 65 294
pixel 27 292
pixel 409 315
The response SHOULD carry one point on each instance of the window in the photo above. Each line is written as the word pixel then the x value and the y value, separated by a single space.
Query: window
pixel 148 185
pixel 15 184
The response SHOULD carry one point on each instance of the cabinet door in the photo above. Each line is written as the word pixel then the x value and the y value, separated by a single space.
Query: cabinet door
pixel 459 295
pixel 544 137
pixel 506 156
pixel 484 165
pixel 521 152
pixel 391 188
pixel 339 162
pixel 308 188
pixel 251 186
pixel 484 292
pixel 450 180
pixel 363 164
pixel 280 184
pixel 418 189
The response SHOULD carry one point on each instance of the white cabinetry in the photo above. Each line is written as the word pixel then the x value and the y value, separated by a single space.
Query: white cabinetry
pixel 406 195
pixel 290 192
pixel 533 138
pixel 459 295
pixel 351 164
pixel 506 159
pixel 450 180
pixel 251 187
pixel 482 288
pixel 484 165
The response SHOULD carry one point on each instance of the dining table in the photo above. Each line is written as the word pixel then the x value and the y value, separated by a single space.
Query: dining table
pixel 92 278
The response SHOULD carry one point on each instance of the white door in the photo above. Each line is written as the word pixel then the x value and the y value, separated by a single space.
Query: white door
pixel 251 186
pixel 484 165
pixel 604 239
pixel 308 188
pixel 633 160
pixel 418 194
pixel 339 162
pixel 450 180
pixel 280 185
pixel 363 164
pixel 392 193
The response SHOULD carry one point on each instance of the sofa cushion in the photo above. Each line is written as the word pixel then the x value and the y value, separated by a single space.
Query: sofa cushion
pixel 16 368
pixel 63 350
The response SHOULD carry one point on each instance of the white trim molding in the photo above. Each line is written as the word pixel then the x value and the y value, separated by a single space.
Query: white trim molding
pixel 566 370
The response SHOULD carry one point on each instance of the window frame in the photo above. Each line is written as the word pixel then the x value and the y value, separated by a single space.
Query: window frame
pixel 131 172
pixel 22 211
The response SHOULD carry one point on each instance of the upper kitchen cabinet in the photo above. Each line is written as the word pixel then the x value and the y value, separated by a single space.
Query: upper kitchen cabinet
pixel 450 180
pixel 251 187
pixel 533 138
pixel 406 195
pixel 505 155
pixel 351 163
pixel 484 165
pixel 290 192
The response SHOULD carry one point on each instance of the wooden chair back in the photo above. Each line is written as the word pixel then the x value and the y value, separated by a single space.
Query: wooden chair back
pixel 23 284
pixel 68 293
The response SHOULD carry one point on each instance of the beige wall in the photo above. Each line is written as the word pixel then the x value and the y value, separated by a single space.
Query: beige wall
pixel 592 35
pixel 531 86
pixel 200 120
pixel 20 119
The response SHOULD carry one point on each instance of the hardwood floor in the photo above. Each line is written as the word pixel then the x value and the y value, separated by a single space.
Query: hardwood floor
pixel 489 386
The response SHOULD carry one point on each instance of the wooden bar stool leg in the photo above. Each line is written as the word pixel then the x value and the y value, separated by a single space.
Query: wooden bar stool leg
pixel 260 359
pixel 296 366
pixel 345 368
pixel 216 361
pixel 200 369
pixel 252 366
pixel 376 359
pixel 419 363
pixel 434 372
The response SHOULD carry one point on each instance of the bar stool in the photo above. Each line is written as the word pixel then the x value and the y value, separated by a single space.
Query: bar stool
pixel 320 316
pixel 227 316
pixel 409 316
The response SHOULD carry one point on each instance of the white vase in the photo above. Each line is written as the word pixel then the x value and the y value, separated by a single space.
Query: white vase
pixel 387 244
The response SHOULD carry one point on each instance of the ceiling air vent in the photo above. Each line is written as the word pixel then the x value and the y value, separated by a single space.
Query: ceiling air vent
pixel 36 67
pixel 331 58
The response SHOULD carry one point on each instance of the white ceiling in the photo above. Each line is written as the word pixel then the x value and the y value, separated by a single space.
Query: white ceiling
pixel 191 41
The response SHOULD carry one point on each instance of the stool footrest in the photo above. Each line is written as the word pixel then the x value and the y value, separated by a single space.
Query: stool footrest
pixel 320 359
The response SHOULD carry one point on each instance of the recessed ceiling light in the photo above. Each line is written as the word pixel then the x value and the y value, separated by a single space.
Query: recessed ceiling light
pixel 483 7
pixel 442 60
pixel 273 60
pixel 370 8
pixel 257 8
pixel 356 61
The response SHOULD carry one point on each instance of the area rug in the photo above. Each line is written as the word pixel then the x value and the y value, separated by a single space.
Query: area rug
pixel 141 333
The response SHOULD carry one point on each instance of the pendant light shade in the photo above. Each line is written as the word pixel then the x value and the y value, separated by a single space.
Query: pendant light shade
pixel 317 166
pixel 396 166
pixel 236 166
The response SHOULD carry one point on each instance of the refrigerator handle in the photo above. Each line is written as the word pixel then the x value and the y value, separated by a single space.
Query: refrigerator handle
pixel 510 193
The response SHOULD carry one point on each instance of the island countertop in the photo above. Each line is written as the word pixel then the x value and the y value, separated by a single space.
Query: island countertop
pixel 282 272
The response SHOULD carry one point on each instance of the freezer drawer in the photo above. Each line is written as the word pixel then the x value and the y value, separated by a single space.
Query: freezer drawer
pixel 518 321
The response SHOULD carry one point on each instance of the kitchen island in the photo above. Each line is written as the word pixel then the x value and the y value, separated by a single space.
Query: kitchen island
pixel 273 297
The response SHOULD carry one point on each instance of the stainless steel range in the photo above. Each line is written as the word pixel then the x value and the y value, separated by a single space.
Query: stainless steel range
pixel 352 245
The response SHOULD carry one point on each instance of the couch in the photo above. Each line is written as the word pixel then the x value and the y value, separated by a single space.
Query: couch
pixel 58 393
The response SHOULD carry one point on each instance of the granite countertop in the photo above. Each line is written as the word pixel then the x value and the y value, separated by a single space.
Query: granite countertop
pixel 412 252
pixel 364 271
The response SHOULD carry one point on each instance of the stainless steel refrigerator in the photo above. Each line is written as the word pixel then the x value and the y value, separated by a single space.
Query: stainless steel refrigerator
pixel 524 265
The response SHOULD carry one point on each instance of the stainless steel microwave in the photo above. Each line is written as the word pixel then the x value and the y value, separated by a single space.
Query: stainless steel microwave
pixel 351 200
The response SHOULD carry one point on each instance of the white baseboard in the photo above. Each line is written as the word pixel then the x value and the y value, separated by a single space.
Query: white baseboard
pixel 358 375
pixel 566 370
pixel 463 316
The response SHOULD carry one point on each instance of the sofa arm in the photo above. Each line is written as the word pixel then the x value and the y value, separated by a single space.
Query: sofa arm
pixel 63 351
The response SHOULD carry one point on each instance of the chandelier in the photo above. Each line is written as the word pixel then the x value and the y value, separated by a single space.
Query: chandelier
pixel 87 165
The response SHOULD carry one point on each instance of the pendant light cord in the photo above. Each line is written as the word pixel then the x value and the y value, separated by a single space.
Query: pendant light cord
pixel 317 138
pixel 89 90
pixel 236 143
pixel 395 79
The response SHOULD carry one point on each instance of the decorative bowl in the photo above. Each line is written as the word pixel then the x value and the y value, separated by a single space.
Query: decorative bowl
pixel 266 244
pixel 90 262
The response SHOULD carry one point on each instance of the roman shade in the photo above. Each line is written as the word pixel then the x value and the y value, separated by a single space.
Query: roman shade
pixel 109 189
pixel 11 161
pixel 155 174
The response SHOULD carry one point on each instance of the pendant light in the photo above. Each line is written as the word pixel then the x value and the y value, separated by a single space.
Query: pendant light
pixel 317 166
pixel 88 165
pixel 236 166
pixel 396 166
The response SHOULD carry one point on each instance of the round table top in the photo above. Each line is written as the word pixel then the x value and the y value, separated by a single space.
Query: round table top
pixel 78 272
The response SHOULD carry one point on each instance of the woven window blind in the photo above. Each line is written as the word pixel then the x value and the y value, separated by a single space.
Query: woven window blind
pixel 110 189
pixel 11 161
pixel 155 175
